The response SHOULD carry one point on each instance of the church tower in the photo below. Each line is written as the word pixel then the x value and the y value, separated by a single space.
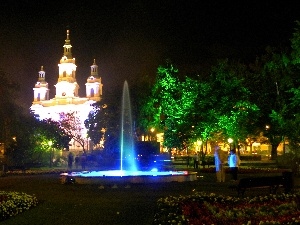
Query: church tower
pixel 67 86
pixel 94 85
pixel 40 90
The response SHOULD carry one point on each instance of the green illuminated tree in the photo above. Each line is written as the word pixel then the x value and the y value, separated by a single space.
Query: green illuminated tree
pixel 48 131
pixel 164 109
pixel 295 44
pixel 224 104
pixel 188 110
pixel 273 75
pixel 30 142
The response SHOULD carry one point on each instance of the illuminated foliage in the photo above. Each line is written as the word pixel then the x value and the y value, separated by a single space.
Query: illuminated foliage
pixel 30 140
pixel 225 104
pixel 73 128
pixel 295 44
pixel 189 110
pixel 165 106
pixel 274 75
pixel 103 125
pixel 50 130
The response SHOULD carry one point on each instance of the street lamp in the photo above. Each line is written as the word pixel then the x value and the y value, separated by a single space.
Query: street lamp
pixel 152 136
pixel 50 145
pixel 230 140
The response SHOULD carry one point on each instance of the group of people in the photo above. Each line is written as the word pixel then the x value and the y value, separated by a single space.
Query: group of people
pixel 220 160
pixel 78 160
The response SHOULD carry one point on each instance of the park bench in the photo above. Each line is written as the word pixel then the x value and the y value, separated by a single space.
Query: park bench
pixel 22 168
pixel 207 162
pixel 271 182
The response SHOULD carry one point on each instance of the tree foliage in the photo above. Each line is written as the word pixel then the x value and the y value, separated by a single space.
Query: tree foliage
pixel 103 124
pixel 73 128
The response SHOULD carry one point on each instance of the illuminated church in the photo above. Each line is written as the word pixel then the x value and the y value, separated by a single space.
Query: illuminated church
pixel 66 99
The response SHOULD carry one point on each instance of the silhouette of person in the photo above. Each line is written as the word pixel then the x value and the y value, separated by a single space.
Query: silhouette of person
pixel 70 160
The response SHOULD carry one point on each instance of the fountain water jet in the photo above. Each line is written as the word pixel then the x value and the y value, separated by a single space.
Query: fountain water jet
pixel 127 146
pixel 128 172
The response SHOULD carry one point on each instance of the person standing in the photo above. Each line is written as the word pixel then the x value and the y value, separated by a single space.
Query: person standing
pixel 83 160
pixel 77 161
pixel 70 160
pixel 234 162
pixel 188 161
pixel 196 161
pixel 220 159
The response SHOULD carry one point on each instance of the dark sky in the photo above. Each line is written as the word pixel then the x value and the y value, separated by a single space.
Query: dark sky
pixel 130 39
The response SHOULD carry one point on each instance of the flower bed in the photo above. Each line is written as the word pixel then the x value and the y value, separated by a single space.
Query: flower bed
pixel 13 203
pixel 201 208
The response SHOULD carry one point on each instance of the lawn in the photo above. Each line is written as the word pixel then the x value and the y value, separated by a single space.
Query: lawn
pixel 88 204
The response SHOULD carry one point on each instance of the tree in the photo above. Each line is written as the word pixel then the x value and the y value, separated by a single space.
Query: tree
pixel 72 126
pixel 273 75
pixel 215 108
pixel 9 108
pixel 48 131
pixel 30 142
pixel 103 125
pixel 163 109
pixel 224 105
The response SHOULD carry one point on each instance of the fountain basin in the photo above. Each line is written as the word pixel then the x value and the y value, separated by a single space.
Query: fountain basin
pixel 128 177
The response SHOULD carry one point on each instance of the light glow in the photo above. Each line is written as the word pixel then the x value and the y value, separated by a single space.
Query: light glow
pixel 123 173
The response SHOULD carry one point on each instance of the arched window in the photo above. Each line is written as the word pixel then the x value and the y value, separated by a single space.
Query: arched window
pixel 92 92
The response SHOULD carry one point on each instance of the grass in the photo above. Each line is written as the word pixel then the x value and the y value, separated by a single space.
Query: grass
pixel 89 205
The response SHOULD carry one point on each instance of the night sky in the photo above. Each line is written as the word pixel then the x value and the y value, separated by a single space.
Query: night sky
pixel 130 39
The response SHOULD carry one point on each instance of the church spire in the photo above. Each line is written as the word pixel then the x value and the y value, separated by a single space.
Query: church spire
pixel 93 84
pixel 68 47
pixel 40 90
pixel 94 69
pixel 41 75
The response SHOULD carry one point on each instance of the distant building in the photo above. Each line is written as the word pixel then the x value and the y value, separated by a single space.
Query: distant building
pixel 66 99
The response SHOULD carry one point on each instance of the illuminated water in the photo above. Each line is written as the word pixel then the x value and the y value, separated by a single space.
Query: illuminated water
pixel 120 173
pixel 128 161
pixel 110 177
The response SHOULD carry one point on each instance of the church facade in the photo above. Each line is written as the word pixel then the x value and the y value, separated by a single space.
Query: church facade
pixel 66 98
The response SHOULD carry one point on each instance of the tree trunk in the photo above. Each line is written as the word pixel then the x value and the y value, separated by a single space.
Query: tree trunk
pixel 274 151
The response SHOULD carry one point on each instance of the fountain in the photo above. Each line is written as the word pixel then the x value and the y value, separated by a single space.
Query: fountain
pixel 128 172
pixel 128 161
